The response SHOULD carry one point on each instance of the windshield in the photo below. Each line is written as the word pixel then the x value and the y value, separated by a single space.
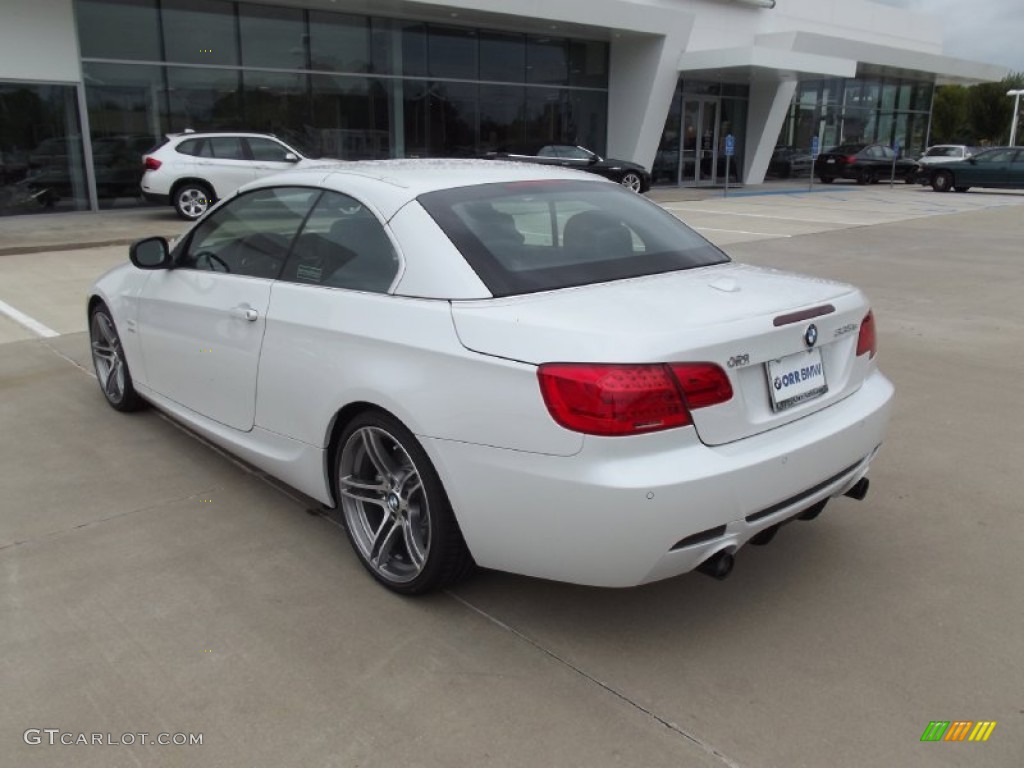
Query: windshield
pixel 523 237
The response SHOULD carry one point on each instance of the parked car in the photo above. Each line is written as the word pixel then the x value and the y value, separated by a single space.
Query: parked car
pixel 865 163
pixel 529 368
pixel 941 154
pixel 192 171
pixel 629 175
pixel 999 168
pixel 789 162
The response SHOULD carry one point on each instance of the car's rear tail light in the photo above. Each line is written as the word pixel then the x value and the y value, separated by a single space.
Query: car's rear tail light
pixel 151 163
pixel 867 342
pixel 611 400
pixel 851 159
pixel 703 384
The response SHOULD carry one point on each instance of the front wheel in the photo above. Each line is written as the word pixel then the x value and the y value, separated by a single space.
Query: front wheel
pixel 632 181
pixel 192 200
pixel 397 515
pixel 942 181
pixel 110 364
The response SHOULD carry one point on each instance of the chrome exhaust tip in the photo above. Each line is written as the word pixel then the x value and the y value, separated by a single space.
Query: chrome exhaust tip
pixel 718 566
pixel 859 489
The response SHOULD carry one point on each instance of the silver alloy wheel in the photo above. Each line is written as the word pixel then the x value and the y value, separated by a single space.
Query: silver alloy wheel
pixel 193 202
pixel 632 181
pixel 384 503
pixel 107 357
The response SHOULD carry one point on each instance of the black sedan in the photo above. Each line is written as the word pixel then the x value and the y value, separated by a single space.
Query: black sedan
pixel 999 168
pixel 865 163
pixel 629 175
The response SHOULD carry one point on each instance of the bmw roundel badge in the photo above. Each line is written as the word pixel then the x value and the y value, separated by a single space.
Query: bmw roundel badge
pixel 811 335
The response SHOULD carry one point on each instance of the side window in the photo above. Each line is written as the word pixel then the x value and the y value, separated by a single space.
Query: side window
pixel 191 147
pixel 343 245
pixel 549 151
pixel 999 156
pixel 267 149
pixel 226 148
pixel 887 153
pixel 250 235
pixel 574 153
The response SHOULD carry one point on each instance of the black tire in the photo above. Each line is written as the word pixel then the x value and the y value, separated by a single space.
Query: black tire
pixel 110 364
pixel 827 179
pixel 867 176
pixel 632 181
pixel 942 181
pixel 192 199
pixel 390 496
pixel 960 189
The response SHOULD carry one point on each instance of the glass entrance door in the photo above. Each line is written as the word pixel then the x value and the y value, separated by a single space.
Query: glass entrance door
pixel 698 161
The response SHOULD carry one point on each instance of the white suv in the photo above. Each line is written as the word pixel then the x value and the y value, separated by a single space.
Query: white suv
pixel 192 171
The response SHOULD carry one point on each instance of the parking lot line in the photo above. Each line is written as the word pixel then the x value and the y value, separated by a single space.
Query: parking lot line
pixel 739 232
pixel 27 322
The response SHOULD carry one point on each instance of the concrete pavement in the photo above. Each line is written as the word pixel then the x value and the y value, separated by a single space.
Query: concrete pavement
pixel 152 584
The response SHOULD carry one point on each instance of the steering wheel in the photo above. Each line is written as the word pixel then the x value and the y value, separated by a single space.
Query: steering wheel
pixel 213 263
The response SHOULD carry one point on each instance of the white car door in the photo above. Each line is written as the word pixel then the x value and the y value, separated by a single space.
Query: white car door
pixel 201 323
pixel 224 163
pixel 269 156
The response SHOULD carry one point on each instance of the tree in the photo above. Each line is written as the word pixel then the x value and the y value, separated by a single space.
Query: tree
pixel 977 115
pixel 950 123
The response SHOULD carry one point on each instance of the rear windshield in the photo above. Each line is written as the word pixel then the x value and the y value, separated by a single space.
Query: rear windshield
pixel 523 237
pixel 848 149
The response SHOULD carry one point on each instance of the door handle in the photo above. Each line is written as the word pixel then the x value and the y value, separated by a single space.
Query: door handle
pixel 245 313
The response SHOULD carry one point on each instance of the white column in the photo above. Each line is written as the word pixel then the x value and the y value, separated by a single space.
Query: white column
pixel 643 75
pixel 769 101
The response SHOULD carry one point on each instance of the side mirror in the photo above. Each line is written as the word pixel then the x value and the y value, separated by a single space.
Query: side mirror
pixel 972 161
pixel 150 253
pixel 291 157
pixel 594 160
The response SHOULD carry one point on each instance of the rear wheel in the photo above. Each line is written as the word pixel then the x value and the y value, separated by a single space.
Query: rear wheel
pixel 110 363
pixel 942 181
pixel 632 181
pixel 192 199
pixel 397 515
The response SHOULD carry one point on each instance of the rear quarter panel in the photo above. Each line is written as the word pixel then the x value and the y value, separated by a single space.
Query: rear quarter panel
pixel 325 348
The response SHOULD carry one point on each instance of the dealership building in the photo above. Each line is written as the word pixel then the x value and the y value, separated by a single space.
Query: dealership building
pixel 86 86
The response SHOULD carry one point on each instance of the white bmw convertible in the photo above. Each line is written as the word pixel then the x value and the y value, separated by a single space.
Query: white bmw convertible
pixel 530 369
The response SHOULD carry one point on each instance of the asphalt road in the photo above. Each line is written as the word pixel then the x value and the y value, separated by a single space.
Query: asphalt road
pixel 151 584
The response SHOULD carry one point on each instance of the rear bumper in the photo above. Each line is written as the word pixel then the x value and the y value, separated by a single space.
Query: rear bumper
pixel 618 513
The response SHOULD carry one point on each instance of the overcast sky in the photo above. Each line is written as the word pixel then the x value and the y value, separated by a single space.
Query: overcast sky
pixel 990 31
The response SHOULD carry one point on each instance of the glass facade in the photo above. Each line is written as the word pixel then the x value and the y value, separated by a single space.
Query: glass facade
pixel 873 108
pixel 41 156
pixel 333 84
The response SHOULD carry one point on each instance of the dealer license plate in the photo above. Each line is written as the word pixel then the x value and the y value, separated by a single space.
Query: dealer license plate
pixel 796 379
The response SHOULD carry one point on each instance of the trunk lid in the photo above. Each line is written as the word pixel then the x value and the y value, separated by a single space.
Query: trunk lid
pixel 737 316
